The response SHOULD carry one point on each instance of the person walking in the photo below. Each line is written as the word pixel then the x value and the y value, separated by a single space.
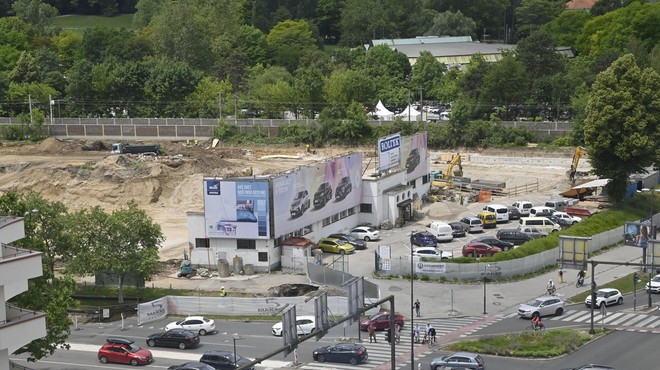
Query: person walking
pixel 561 275
pixel 418 308
pixel 372 333
pixel 223 292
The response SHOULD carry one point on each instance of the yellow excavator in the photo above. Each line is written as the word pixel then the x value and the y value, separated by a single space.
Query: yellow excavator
pixel 579 153
pixel 445 178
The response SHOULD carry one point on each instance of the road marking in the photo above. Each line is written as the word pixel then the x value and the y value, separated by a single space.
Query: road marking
pixel 622 319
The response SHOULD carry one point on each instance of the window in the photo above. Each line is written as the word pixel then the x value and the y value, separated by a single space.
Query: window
pixel 326 221
pixel 425 179
pixel 202 243
pixel 263 256
pixel 365 208
pixel 246 244
pixel 351 211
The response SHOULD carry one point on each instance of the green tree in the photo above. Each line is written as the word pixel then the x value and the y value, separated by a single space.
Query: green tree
pixel 532 14
pixel 169 82
pixel 426 74
pixel 505 83
pixel 120 243
pixel 146 9
pixel 46 230
pixel 355 128
pixel 345 87
pixel 26 69
pixel 605 6
pixel 621 128
pixel 566 28
pixel 361 21
pixel 288 41
pixel 488 14
pixel 203 102
pixel 35 12
pixel 452 24
pixel 538 55
pixel 309 81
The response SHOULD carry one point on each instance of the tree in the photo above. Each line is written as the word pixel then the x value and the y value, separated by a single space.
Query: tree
pixel 288 41
pixel 146 9
pixel 426 74
pixel 566 28
pixel 361 21
pixel 452 24
pixel 505 83
pixel 35 12
pixel 605 6
pixel 532 14
pixel 203 102
pixel 123 242
pixel 45 231
pixel 355 128
pixel 345 87
pixel 488 14
pixel 621 128
pixel 538 55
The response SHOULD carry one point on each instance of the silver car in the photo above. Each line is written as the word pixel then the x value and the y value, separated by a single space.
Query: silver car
pixel 459 360
pixel 542 306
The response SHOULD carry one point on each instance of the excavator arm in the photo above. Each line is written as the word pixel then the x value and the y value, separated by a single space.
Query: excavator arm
pixel 456 160
pixel 579 153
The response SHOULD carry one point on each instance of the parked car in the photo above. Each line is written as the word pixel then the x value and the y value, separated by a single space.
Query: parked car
pixel 607 296
pixel 365 233
pixel 563 223
pixel 495 242
pixel 382 321
pixel 191 366
pixel 352 353
pixel 334 245
pixel 179 338
pixel 472 224
pixel 533 232
pixel 458 229
pixel 542 306
pixel 476 249
pixel 557 205
pixel 488 219
pixel 413 160
pixel 514 213
pixel 654 284
pixel 343 188
pixel 300 204
pixel 304 324
pixel 513 236
pixel 591 367
pixel 224 360
pixel 541 211
pixel 567 217
pixel 459 360
pixel 323 195
pixel 197 324
pixel 358 244
pixel 124 351
pixel 523 207
pixel 424 239
pixel 432 252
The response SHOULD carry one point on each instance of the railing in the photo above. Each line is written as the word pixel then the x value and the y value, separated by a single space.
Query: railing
pixel 21 316
pixel 15 366
pixel 18 251
pixel 522 189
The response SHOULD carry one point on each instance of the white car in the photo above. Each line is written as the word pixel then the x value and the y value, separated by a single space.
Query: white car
pixel 305 324
pixel 608 296
pixel 366 233
pixel 196 324
pixel 432 252
pixel 542 306
pixel 654 284
pixel 567 217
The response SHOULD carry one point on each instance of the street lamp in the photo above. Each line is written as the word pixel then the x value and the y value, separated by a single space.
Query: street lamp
pixel 485 270
pixel 235 337
pixel 412 305
pixel 651 235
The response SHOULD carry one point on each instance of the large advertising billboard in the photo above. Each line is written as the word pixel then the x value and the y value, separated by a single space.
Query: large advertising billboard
pixel 637 234
pixel 389 152
pixel 414 154
pixel 236 209
pixel 312 193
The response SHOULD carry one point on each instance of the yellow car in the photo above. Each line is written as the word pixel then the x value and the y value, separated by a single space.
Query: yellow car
pixel 488 219
pixel 334 245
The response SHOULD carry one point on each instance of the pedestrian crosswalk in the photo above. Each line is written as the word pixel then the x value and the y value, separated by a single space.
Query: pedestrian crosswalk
pixel 380 352
pixel 621 320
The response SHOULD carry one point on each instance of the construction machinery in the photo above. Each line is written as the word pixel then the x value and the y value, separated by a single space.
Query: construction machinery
pixel 450 174
pixel 186 270
pixel 579 153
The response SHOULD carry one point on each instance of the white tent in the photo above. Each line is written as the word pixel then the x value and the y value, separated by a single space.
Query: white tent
pixel 410 114
pixel 383 113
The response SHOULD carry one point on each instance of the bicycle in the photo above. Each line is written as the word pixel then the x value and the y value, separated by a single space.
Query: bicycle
pixel 533 327
pixel 551 290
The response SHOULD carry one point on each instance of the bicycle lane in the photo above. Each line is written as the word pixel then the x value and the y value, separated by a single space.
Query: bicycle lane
pixel 442 340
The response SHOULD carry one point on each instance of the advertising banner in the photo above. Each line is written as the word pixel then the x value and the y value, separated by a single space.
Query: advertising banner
pixel 389 152
pixel 236 209
pixel 637 234
pixel 152 311
pixel 430 267
pixel 312 193
pixel 414 154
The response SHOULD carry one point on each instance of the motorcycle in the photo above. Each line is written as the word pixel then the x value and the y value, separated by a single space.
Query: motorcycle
pixel 580 282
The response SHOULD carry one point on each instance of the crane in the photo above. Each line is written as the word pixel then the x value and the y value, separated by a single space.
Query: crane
pixel 456 160
pixel 580 151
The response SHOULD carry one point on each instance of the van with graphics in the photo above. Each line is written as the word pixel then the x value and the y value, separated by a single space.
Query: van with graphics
pixel 501 212
pixel 441 230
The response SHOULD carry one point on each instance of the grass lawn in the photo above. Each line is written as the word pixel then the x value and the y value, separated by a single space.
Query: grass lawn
pixel 623 284
pixel 81 22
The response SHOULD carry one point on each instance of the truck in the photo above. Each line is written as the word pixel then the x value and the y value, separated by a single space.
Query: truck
pixel 125 148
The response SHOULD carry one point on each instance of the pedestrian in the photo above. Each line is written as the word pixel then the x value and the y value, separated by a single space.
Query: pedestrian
pixel 223 292
pixel 372 332
pixel 561 275
pixel 418 308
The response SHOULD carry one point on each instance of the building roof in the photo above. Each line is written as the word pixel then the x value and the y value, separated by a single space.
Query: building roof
pixel 580 4
pixel 419 40
pixel 454 53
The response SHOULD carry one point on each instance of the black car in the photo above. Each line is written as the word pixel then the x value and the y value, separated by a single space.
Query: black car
pixel 514 213
pixel 343 188
pixel 494 242
pixel 191 366
pixel 457 229
pixel 323 195
pixel 351 353
pixel 350 239
pixel 179 338
pixel 413 160
pixel 563 223
pixel 224 360
pixel 513 236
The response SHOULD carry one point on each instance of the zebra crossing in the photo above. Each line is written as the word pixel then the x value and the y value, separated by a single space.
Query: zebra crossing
pixel 380 352
pixel 621 320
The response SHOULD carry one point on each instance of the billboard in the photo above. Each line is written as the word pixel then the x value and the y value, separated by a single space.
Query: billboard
pixel 312 193
pixel 637 234
pixel 414 155
pixel 236 209
pixel 389 152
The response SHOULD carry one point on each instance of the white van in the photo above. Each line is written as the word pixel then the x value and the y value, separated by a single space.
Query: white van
pixel 441 230
pixel 541 223
pixel 501 212
pixel 523 207
pixel 541 211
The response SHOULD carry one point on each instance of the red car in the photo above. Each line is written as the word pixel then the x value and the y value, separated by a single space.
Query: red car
pixel 475 249
pixel 382 321
pixel 124 351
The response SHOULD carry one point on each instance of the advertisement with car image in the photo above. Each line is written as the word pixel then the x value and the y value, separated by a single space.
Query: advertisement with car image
pixel 236 209
pixel 413 154
pixel 318 191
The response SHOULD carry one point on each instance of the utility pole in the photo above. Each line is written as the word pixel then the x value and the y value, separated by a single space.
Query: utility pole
pixel 220 105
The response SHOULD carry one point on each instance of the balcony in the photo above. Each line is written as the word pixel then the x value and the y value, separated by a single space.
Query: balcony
pixel 12 229
pixel 21 327
pixel 17 265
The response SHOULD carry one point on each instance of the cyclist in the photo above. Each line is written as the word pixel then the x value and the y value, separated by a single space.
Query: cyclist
pixel 536 322
pixel 551 287
pixel 397 334
pixel 431 335
pixel 580 277
pixel 416 331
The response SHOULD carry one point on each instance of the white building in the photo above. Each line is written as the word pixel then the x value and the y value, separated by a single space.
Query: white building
pixel 18 326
